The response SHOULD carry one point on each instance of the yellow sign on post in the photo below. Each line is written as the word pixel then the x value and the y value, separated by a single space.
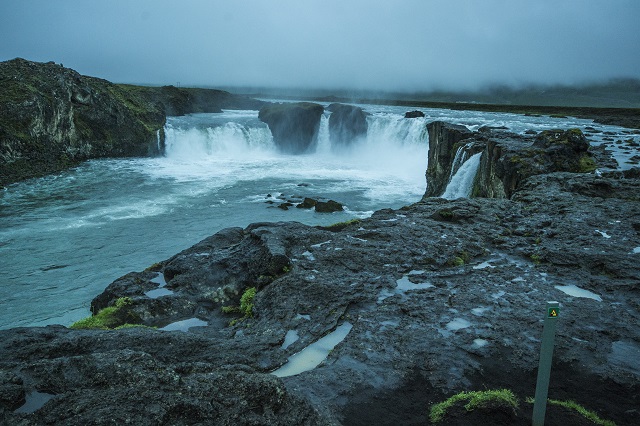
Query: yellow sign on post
pixel 553 312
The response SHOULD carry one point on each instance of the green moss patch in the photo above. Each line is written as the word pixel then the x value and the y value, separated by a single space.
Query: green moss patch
pixel 245 308
pixel 112 317
pixel 336 227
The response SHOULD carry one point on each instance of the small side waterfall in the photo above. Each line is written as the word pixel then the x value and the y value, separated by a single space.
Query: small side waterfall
pixel 461 183
pixel 462 155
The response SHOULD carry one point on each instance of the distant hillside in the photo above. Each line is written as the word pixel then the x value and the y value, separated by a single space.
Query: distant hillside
pixel 621 93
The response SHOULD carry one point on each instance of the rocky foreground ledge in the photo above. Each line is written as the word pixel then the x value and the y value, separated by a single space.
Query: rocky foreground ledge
pixel 421 303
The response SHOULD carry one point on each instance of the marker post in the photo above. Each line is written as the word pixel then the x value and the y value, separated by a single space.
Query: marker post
pixel 544 367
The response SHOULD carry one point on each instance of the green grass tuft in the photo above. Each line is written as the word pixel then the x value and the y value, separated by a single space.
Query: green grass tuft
pixel 572 405
pixel 475 399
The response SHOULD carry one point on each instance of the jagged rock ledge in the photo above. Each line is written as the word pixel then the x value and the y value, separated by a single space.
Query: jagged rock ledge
pixel 443 296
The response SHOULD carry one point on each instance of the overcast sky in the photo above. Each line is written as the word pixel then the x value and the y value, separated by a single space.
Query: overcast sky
pixel 360 44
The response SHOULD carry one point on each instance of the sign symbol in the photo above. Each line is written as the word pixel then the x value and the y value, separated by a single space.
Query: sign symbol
pixel 553 313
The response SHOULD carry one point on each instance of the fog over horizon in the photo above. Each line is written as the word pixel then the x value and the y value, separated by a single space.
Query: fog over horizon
pixel 410 45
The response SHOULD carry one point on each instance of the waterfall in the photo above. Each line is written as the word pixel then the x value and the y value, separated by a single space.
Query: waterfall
pixel 461 183
pixel 229 139
pixel 324 142
pixel 393 143
pixel 462 154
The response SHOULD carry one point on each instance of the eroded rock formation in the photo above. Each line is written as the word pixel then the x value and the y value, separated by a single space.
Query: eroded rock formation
pixel 347 123
pixel 507 159
pixel 294 126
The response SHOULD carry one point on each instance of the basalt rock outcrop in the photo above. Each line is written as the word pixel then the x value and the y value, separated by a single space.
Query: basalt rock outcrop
pixel 442 296
pixel 413 114
pixel 52 118
pixel 347 123
pixel 294 126
pixel 507 159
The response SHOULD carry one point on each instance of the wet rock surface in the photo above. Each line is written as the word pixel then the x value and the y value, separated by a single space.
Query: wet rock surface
pixel 443 296
pixel 347 123
pixel 294 126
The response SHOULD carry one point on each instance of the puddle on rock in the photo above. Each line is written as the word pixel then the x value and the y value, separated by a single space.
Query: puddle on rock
pixel 480 343
pixel 403 285
pixel 576 291
pixel 484 265
pixel 184 325
pixel 160 291
pixel 290 338
pixel 311 356
pixel 480 311
pixel 34 401
pixel 458 324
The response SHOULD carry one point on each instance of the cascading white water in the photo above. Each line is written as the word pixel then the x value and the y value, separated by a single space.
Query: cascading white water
pixel 462 182
pixel 462 155
pixel 324 142
pixel 229 139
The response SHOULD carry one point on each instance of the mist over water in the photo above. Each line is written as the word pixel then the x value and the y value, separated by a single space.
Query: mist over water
pixel 65 237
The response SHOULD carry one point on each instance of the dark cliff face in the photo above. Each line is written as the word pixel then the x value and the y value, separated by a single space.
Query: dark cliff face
pixel 53 117
pixel 294 126
pixel 347 123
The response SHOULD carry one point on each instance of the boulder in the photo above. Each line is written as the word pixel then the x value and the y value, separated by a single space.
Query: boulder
pixel 413 114
pixel 294 126
pixel 347 123
pixel 328 206
pixel 307 203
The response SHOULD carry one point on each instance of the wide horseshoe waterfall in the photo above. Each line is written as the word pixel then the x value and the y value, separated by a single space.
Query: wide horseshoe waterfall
pixel 65 237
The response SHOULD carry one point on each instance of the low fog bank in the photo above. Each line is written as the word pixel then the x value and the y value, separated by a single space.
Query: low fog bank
pixel 614 93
